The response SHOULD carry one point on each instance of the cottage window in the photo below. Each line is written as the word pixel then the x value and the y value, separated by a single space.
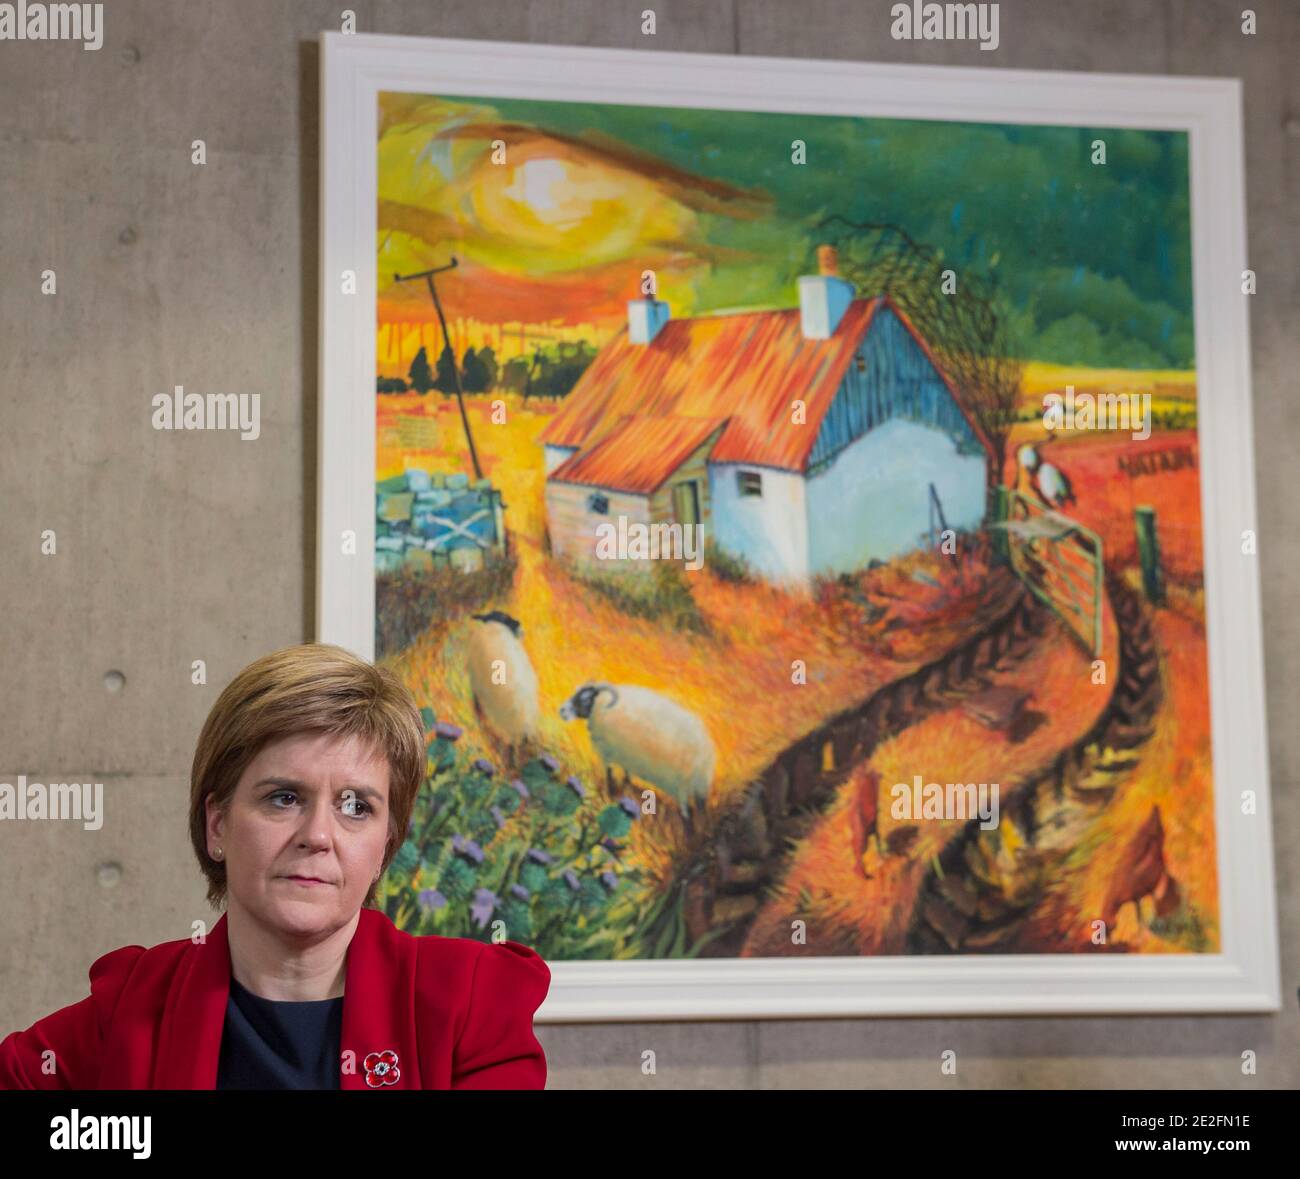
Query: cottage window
pixel 598 503
pixel 749 483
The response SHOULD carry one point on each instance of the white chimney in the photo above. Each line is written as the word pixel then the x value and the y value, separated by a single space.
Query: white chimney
pixel 644 319
pixel 824 297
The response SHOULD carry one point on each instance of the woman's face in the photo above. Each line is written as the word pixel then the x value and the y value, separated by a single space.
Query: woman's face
pixel 304 833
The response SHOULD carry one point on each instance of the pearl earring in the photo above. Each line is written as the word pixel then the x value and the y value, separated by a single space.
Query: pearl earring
pixel 218 853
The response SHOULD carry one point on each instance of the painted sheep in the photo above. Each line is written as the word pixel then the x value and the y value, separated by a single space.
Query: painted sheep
pixel 650 737
pixel 502 679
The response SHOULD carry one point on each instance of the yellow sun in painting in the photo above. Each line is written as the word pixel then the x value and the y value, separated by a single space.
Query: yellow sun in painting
pixel 543 185
pixel 568 208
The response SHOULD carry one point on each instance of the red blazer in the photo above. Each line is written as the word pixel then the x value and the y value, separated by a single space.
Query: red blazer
pixel 418 1013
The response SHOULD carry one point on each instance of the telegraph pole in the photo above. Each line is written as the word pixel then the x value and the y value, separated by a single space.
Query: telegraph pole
pixel 427 275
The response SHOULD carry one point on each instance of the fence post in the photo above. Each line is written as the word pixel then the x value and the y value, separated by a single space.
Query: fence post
pixel 1001 511
pixel 1153 580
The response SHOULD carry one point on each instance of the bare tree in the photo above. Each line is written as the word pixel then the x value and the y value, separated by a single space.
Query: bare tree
pixel 968 329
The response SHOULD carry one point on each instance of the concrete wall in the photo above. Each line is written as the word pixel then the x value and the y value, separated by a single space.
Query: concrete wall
pixel 170 545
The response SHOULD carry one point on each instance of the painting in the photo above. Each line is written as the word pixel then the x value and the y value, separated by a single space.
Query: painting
pixel 801 526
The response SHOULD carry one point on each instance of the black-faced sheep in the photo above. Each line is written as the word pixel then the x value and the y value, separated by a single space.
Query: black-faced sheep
pixel 502 679
pixel 650 737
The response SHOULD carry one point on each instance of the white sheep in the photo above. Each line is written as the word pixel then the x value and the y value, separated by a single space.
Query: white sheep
pixel 650 737
pixel 502 679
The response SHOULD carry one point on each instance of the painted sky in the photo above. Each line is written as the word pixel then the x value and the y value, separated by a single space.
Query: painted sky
pixel 1095 260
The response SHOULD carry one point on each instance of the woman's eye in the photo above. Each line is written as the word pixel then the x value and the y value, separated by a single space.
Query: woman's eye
pixel 281 794
pixel 350 803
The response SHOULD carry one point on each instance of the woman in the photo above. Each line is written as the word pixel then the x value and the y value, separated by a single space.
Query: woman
pixel 301 792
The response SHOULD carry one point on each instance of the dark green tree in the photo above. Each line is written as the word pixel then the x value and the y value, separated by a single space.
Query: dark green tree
pixel 488 359
pixel 446 379
pixel 514 376
pixel 474 375
pixel 555 376
pixel 420 376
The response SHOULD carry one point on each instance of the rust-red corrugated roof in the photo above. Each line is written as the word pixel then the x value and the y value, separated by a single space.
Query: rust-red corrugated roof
pixel 638 453
pixel 749 368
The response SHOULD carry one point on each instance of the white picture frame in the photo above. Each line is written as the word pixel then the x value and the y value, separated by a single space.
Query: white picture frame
pixel 1245 977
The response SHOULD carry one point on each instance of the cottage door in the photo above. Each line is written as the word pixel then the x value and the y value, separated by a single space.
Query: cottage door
pixel 686 502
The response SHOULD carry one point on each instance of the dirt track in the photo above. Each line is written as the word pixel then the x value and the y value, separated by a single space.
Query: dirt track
pixel 726 879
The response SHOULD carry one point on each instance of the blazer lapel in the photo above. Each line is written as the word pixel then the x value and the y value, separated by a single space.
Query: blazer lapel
pixel 378 1034
pixel 378 1037
pixel 194 1017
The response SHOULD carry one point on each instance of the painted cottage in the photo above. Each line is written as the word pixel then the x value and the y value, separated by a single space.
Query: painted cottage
pixel 807 441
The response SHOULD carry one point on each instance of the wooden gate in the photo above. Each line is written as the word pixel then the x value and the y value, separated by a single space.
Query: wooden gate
pixel 1058 559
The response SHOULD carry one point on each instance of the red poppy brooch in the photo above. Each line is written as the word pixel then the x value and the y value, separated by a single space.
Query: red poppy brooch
pixel 381 1069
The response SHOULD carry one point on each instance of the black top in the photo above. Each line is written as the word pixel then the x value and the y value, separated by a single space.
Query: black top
pixel 277 1044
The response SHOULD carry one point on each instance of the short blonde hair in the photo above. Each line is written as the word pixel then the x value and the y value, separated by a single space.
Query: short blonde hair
pixel 311 688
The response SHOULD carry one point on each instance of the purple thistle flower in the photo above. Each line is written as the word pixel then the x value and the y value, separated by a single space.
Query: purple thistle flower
pixel 498 816
pixel 519 891
pixel 538 856
pixel 573 784
pixel 485 903
pixel 484 766
pixel 630 806
pixel 431 899
pixel 467 848
pixel 448 732
pixel 550 763
pixel 610 845
pixel 609 880
pixel 520 788
pixel 571 879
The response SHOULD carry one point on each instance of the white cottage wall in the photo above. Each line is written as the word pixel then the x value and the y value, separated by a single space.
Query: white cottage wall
pixel 873 499
pixel 769 531
pixel 555 455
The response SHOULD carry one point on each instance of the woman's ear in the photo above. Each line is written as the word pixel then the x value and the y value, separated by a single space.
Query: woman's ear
pixel 215 824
